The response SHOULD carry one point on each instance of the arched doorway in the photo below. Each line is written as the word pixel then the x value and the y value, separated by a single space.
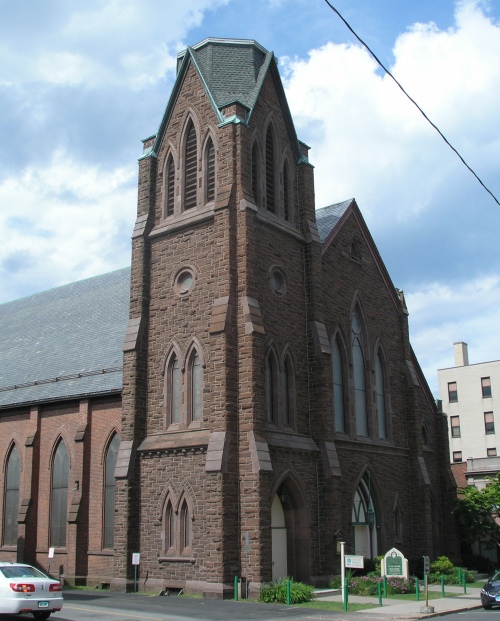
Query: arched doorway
pixel 365 519
pixel 279 539
pixel 290 527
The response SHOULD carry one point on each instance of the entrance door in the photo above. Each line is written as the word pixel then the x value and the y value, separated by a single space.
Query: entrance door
pixel 278 530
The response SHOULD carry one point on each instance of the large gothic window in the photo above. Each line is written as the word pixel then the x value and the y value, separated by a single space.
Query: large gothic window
pixel 59 497
pixel 109 492
pixel 365 519
pixel 210 171
pixel 170 181
pixel 190 176
pixel 169 527
pixel 289 392
pixel 185 527
pixel 338 387
pixel 287 208
pixel 11 509
pixel 173 390
pixel 255 172
pixel 270 172
pixel 358 361
pixel 379 381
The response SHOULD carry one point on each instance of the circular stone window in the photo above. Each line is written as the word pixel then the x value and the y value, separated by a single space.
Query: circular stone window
pixel 184 281
pixel 277 280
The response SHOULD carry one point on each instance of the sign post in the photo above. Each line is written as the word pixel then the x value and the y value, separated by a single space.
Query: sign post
pixel 427 571
pixel 136 559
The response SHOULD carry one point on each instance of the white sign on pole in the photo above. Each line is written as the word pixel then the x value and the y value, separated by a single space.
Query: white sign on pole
pixel 136 558
pixel 51 552
pixel 354 562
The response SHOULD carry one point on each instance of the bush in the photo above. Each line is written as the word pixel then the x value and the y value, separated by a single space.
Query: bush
pixel 442 565
pixel 368 585
pixel 276 592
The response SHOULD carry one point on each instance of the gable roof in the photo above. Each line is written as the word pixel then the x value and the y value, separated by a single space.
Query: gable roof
pixel 66 342
pixel 328 217
pixel 231 70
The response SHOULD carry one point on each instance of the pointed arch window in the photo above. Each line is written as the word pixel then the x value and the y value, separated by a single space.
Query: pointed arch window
pixel 338 387
pixel 255 172
pixel 271 388
pixel 289 392
pixel 169 527
pixel 270 172
pixel 365 519
pixel 195 374
pixel 358 361
pixel 379 382
pixel 185 526
pixel 425 437
pixel 109 492
pixel 11 509
pixel 286 193
pixel 174 389
pixel 210 171
pixel 170 180
pixel 190 167
pixel 59 499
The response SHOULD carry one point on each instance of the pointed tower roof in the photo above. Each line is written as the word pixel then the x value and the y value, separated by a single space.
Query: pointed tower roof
pixel 231 70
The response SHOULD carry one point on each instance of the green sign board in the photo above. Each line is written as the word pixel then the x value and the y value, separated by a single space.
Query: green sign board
pixel 394 565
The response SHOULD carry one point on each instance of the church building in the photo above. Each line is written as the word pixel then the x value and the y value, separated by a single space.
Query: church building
pixel 241 399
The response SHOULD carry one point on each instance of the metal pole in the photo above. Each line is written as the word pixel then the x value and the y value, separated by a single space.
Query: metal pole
pixel 342 565
pixel 426 591
pixel 288 592
pixel 236 588
pixel 135 578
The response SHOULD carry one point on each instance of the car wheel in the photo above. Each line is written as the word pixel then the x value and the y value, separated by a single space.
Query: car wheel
pixel 41 616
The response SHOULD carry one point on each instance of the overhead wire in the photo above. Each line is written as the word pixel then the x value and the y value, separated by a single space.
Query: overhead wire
pixel 365 45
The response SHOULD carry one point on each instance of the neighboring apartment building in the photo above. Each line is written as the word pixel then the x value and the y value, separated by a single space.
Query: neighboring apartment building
pixel 468 393
pixel 267 400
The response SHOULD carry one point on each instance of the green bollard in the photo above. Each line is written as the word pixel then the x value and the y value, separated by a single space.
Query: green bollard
pixel 465 582
pixel 385 586
pixel 288 592
pixel 236 588
pixel 417 590
pixel 346 596
pixel 442 586
pixel 379 586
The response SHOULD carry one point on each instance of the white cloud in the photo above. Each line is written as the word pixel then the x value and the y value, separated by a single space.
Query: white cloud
pixel 65 222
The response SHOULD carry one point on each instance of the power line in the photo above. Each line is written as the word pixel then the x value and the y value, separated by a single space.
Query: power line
pixel 412 100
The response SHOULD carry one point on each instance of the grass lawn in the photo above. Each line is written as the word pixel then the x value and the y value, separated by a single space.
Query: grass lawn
pixel 335 606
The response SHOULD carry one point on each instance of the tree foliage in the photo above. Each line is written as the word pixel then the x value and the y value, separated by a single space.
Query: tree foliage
pixel 478 512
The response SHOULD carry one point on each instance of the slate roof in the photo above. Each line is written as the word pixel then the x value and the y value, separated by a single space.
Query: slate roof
pixel 327 217
pixel 65 342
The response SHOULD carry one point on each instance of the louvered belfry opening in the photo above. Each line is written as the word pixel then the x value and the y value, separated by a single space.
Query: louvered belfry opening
pixel 270 196
pixel 210 163
pixel 170 174
pixel 255 177
pixel 190 168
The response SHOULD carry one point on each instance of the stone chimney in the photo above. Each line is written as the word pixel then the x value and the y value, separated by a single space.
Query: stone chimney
pixel 461 354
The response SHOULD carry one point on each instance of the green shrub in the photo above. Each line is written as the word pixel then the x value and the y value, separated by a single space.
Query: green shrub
pixel 276 592
pixel 368 585
pixel 442 565
pixel 335 582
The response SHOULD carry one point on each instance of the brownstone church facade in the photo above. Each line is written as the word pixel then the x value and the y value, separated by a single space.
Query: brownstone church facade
pixel 245 395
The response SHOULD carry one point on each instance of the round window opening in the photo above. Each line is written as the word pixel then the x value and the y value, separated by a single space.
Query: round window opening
pixel 277 280
pixel 184 281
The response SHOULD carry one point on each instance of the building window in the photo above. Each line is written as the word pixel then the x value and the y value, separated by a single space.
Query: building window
pixel 359 377
pixel 271 388
pixel 173 390
pixel 59 500
pixel 489 423
pixel 425 437
pixel 255 172
pixel 169 527
pixel 486 387
pixel 455 426
pixel 11 507
pixel 287 208
pixel 457 457
pixel 289 392
pixel 210 171
pixel 195 377
pixel 109 492
pixel 185 527
pixel 338 387
pixel 491 452
pixel 270 174
pixel 170 191
pixel 190 168
pixel 379 381
pixel 452 392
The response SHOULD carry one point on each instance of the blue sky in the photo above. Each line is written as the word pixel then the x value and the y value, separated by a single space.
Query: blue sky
pixel 82 83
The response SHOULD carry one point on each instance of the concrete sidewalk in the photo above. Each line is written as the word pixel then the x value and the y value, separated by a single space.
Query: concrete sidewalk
pixel 455 600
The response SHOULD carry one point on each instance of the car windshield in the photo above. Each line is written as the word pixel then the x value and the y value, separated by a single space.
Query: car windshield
pixel 21 571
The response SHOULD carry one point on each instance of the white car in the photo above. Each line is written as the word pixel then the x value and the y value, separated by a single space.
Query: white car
pixel 26 589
